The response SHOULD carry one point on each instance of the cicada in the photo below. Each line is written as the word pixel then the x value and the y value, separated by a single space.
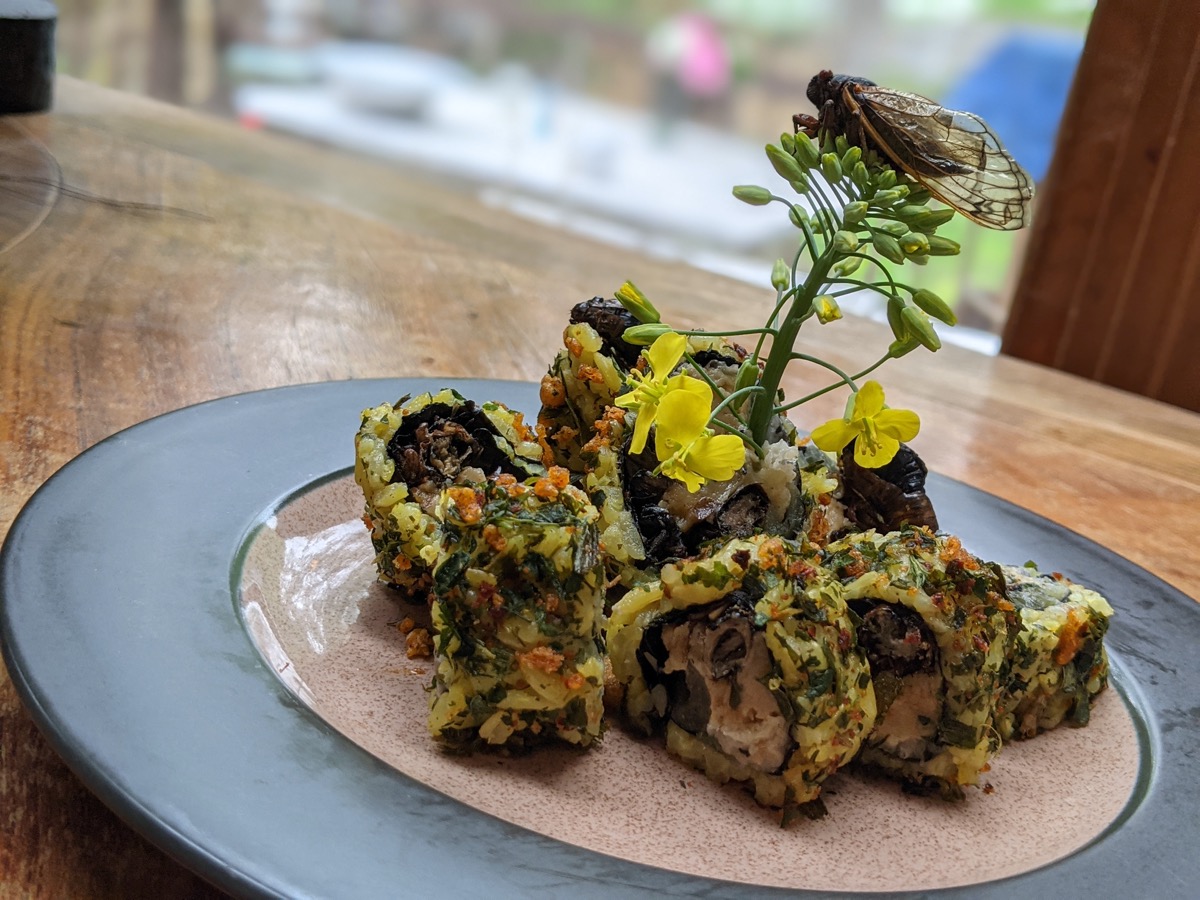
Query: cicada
pixel 953 154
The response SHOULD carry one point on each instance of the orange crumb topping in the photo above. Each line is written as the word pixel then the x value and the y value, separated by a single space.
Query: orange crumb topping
pixel 552 393
pixel 545 659
pixel 467 502
pixel 418 644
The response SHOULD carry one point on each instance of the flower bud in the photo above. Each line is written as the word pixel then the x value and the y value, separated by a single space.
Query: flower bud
pixel 827 309
pixel 935 306
pixel 854 212
pixel 795 214
pixel 886 180
pixel 913 215
pixel 899 348
pixel 895 229
pixel 635 301
pixel 850 157
pixel 847 266
pixel 918 196
pixel 841 145
pixel 646 334
pixel 887 247
pixel 781 275
pixel 935 217
pixel 806 152
pixel 902 190
pixel 914 244
pixel 800 186
pixel 942 246
pixel 920 327
pixel 788 143
pixel 844 242
pixel 895 317
pixel 752 194
pixel 747 375
pixel 785 164
pixel 860 176
pixel 817 223
pixel 885 199
pixel 921 259
pixel 831 168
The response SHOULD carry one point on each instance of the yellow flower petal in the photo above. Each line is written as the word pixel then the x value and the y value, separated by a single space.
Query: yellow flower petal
pixel 664 354
pixel 901 424
pixel 881 454
pixel 834 435
pixel 717 457
pixel 683 415
pixel 869 400
pixel 641 428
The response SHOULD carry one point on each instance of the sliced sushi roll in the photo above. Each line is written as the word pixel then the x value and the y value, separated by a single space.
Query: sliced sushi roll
pixel 517 616
pixel 1058 663
pixel 937 631
pixel 789 492
pixel 406 453
pixel 581 384
pixel 748 658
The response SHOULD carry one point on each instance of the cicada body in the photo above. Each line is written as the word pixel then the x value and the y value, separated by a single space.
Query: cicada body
pixel 953 154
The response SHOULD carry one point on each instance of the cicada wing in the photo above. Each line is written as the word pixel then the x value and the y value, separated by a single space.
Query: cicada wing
pixel 952 153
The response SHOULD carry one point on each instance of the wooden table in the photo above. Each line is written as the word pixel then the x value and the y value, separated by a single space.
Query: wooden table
pixel 285 263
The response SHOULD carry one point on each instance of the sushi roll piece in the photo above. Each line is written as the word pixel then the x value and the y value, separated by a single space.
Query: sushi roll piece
pixel 937 630
pixel 517 616
pixel 1059 663
pixel 748 658
pixel 583 381
pixel 405 455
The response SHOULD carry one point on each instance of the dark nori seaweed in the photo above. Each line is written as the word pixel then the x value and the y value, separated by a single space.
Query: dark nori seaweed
pixel 610 319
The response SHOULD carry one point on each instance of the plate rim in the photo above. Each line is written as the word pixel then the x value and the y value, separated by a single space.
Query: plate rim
pixel 538 864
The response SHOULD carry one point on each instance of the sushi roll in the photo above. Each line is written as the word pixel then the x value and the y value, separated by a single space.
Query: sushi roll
pixel 581 384
pixel 407 452
pixel 1059 662
pixel 748 658
pixel 938 631
pixel 517 616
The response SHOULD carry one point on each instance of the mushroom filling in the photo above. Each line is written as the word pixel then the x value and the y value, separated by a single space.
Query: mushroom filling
pixel 710 668
pixel 908 685
pixel 431 448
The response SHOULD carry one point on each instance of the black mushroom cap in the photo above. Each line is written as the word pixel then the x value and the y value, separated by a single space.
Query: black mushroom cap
pixel 610 319
pixel 889 497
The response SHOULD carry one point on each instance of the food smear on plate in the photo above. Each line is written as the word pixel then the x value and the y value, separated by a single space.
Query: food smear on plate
pixel 778 605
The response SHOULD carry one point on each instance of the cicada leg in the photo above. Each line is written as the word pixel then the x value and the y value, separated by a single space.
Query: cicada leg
pixel 805 123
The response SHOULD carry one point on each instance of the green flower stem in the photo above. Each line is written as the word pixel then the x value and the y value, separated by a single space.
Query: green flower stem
pixel 780 354
pixel 780 299
pixel 810 239
pixel 720 407
pixel 825 364
pixel 705 333
pixel 725 426
pixel 837 384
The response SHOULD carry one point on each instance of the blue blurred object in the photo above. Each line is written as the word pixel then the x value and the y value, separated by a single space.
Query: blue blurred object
pixel 1020 90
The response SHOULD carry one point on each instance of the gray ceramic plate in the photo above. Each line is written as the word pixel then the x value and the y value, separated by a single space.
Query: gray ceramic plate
pixel 121 633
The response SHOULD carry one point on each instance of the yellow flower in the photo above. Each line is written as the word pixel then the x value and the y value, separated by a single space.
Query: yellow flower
pixel 649 389
pixel 687 450
pixel 878 430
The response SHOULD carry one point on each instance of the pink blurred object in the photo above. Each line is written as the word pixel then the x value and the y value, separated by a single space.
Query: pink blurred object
pixel 690 47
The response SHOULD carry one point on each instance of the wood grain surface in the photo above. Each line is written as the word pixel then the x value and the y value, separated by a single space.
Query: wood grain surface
pixel 276 263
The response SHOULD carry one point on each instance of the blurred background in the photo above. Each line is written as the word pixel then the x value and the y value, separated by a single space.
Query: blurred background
pixel 627 120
